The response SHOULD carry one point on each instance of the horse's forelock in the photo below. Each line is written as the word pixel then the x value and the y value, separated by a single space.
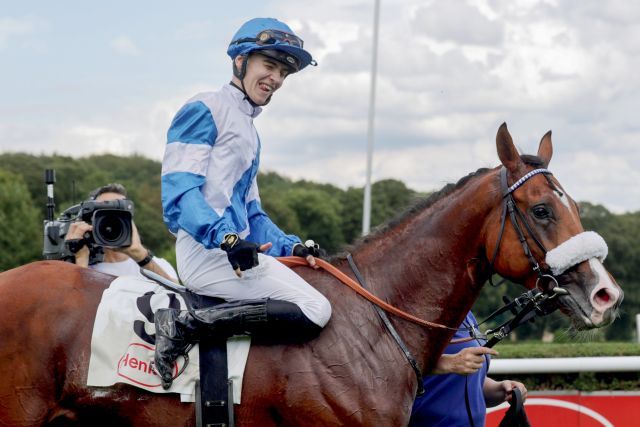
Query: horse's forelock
pixel 532 160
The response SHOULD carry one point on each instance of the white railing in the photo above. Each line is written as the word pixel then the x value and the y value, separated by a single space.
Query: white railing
pixel 565 365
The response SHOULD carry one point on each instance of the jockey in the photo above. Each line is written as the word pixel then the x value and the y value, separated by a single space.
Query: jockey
pixel 225 241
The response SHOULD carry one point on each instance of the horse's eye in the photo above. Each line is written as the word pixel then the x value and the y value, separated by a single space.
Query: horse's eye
pixel 541 212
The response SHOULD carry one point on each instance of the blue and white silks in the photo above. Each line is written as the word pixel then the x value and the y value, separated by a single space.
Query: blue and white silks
pixel 209 171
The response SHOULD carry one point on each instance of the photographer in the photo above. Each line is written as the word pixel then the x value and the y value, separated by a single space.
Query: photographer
pixel 124 261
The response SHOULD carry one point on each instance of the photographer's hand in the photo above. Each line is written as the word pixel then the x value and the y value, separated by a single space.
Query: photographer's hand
pixel 135 251
pixel 142 256
pixel 77 231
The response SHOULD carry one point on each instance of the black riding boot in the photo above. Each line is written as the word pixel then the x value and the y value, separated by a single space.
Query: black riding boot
pixel 175 331
pixel 268 320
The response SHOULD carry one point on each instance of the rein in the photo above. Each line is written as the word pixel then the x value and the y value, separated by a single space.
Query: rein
pixel 292 261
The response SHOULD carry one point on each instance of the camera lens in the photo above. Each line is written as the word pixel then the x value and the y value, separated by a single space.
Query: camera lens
pixel 112 228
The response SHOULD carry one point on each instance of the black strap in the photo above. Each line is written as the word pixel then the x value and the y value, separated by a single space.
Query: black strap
pixel 146 260
pixel 515 415
pixel 467 403
pixel 214 402
pixel 391 329
pixel 503 221
pixel 527 313
pixel 514 213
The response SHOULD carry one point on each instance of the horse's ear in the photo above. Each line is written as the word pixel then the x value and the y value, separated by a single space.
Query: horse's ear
pixel 507 151
pixel 545 150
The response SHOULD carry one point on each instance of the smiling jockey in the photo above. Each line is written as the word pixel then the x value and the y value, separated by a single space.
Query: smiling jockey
pixel 211 203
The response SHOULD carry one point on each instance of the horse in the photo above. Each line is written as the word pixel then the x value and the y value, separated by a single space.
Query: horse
pixel 431 260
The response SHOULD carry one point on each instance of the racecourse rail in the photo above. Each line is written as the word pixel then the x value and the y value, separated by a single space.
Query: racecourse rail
pixel 565 365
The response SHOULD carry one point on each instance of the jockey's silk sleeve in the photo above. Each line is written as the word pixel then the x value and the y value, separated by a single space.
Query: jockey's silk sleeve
pixel 209 173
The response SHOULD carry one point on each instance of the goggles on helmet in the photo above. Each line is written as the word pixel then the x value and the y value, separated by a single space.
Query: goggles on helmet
pixel 270 37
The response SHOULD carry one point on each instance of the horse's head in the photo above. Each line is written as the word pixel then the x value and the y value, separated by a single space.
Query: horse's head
pixel 547 246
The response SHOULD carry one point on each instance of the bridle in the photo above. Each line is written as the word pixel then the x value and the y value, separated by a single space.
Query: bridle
pixel 535 302
pixel 517 217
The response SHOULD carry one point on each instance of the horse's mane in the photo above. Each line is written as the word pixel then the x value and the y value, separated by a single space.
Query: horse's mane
pixel 423 203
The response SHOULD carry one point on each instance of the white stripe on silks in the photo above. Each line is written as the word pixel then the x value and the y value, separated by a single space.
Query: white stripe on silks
pixel 181 157
pixel 577 249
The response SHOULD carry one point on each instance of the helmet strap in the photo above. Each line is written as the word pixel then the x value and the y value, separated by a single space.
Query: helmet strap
pixel 240 75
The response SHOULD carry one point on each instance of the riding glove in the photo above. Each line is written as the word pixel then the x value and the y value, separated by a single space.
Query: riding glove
pixel 242 254
pixel 309 248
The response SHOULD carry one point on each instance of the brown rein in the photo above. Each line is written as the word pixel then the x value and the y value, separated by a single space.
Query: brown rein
pixel 292 261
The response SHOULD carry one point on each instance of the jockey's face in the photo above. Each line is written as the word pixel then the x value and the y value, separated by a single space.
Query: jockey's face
pixel 263 77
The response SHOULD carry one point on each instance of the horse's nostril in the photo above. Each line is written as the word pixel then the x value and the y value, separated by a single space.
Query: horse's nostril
pixel 602 296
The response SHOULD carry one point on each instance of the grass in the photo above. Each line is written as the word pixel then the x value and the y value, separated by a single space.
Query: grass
pixel 527 349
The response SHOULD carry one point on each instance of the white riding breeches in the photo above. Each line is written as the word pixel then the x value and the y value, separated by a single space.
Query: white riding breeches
pixel 208 272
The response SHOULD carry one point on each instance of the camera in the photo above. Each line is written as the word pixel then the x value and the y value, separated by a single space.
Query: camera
pixel 112 228
pixel 111 220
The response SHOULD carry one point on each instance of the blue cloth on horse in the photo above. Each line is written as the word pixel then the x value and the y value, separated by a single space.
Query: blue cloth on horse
pixel 443 403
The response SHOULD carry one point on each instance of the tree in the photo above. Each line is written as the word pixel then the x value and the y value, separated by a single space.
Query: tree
pixel 318 216
pixel 21 236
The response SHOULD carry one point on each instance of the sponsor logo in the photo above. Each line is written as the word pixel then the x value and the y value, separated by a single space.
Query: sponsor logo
pixel 137 366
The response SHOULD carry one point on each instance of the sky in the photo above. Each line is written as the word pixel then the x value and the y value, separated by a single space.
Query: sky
pixel 81 78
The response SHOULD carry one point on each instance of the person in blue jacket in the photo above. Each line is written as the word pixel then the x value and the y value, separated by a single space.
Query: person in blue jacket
pixel 226 243
pixel 459 391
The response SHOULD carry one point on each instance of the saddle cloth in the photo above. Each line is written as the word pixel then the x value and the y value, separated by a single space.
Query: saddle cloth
pixel 123 341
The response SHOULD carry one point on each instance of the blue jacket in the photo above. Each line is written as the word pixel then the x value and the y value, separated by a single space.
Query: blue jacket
pixel 209 172
pixel 443 403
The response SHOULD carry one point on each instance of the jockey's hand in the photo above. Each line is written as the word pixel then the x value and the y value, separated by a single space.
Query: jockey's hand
pixel 309 251
pixel 242 254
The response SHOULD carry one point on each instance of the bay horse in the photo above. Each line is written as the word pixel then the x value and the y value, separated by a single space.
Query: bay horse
pixel 431 261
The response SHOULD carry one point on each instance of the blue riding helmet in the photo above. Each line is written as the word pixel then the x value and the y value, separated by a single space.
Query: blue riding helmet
pixel 274 38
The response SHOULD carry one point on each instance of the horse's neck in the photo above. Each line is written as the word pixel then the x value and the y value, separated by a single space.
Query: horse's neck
pixel 427 265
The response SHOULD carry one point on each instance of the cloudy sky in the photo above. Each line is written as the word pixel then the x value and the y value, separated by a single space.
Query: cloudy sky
pixel 83 77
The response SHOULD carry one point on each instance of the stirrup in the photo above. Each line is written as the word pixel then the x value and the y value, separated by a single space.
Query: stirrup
pixel 166 383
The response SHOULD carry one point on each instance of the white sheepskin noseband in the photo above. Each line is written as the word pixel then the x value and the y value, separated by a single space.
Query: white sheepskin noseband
pixel 577 249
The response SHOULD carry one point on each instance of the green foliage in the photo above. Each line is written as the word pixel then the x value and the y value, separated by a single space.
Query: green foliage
pixel 319 214
pixel 325 213
pixel 21 223
pixel 536 349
